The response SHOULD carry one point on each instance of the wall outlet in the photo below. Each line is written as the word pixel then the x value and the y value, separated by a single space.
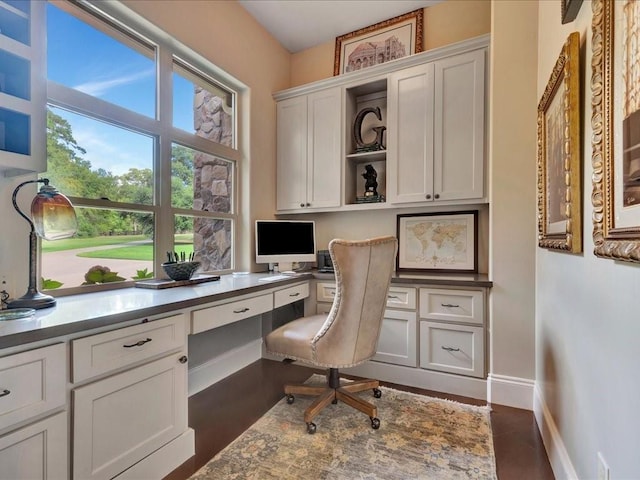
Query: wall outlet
pixel 603 468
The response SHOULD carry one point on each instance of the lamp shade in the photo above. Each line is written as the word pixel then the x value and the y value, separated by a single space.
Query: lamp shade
pixel 53 214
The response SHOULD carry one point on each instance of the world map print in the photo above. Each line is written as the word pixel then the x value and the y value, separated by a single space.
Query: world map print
pixel 438 243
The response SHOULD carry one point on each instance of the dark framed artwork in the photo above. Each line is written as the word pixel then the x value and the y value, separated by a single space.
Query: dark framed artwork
pixel 388 40
pixel 569 10
pixel 615 121
pixel 438 242
pixel 559 154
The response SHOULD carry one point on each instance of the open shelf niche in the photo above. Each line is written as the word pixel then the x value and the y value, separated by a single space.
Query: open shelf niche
pixel 372 94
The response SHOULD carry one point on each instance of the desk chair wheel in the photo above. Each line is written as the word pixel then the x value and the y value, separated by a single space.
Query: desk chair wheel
pixel 375 423
pixel 290 399
pixel 377 392
pixel 311 428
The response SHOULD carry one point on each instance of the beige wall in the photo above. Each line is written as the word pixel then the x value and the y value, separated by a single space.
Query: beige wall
pixel 224 33
pixel 447 22
pixel 513 190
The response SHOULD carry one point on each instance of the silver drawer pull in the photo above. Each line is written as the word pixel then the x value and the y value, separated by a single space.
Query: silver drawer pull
pixel 449 305
pixel 137 344
pixel 245 309
pixel 393 297
pixel 450 349
pixel 5 392
pixel 294 294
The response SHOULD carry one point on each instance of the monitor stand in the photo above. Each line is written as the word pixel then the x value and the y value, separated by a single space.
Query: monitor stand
pixel 283 267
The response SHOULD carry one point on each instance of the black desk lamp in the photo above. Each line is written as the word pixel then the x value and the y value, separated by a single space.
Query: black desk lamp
pixel 53 218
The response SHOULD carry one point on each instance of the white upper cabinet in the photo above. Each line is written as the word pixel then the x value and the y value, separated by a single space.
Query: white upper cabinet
pixel 459 113
pixel 428 112
pixel 308 144
pixel 22 88
pixel 436 134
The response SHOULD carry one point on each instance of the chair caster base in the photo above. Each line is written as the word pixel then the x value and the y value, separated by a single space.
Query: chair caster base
pixel 377 393
pixel 290 399
pixel 311 428
pixel 375 423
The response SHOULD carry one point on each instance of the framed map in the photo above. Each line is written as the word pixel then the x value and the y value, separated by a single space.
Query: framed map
pixel 442 242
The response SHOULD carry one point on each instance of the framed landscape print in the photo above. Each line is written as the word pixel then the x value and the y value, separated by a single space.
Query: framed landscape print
pixel 615 158
pixel 438 242
pixel 559 157
pixel 394 38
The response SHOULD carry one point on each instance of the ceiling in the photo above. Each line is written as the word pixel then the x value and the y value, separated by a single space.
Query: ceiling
pixel 301 24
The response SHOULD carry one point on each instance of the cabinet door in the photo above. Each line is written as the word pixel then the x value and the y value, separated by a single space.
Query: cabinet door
pixel 323 154
pixel 459 127
pixel 410 135
pixel 291 178
pixel 398 339
pixel 36 452
pixel 22 88
pixel 120 420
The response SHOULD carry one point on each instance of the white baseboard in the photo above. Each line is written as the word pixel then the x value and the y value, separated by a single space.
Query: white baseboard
pixel 553 444
pixel 218 368
pixel 421 378
pixel 510 391
pixel 164 460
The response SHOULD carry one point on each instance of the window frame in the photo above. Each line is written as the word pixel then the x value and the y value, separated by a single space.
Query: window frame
pixel 119 22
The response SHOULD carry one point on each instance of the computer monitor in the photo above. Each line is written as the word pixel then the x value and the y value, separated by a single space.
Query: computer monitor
pixel 285 242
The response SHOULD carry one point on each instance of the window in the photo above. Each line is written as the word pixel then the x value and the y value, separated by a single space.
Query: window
pixel 148 175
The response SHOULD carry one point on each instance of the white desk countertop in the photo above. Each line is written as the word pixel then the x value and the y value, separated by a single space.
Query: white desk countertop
pixel 75 313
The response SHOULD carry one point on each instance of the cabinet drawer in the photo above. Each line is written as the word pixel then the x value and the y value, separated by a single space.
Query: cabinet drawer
pixel 323 307
pixel 401 297
pixel 213 317
pixel 111 350
pixel 37 451
pixel 398 297
pixel 32 383
pixel 452 348
pixel 290 295
pixel 397 343
pixel 121 419
pixel 325 291
pixel 452 305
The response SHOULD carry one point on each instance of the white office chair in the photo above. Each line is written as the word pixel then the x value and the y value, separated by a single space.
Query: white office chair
pixel 348 335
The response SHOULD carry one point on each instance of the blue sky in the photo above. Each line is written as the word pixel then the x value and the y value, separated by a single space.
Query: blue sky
pixel 83 58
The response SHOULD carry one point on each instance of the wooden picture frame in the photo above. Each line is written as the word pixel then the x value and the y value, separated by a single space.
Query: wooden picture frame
pixel 559 154
pixel 615 122
pixel 438 242
pixel 359 49
pixel 569 10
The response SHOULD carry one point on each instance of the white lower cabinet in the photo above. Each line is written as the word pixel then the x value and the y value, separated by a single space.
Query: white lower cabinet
pixel 37 451
pixel 34 446
pixel 430 328
pixel 122 420
pixel 397 343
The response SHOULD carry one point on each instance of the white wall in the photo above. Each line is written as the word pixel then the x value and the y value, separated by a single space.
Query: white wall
pixel 587 321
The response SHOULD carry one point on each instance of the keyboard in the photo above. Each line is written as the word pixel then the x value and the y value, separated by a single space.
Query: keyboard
pixel 274 278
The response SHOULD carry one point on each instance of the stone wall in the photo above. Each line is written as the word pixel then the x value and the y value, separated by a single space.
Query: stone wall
pixel 212 184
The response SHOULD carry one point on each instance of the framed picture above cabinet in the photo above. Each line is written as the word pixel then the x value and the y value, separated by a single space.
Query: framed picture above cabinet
pixel 438 242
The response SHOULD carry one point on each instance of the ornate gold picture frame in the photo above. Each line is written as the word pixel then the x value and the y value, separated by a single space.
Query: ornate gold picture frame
pixel 559 164
pixel 615 158
pixel 393 38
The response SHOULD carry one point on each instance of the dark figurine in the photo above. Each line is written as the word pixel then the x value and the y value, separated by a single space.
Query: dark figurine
pixel 371 184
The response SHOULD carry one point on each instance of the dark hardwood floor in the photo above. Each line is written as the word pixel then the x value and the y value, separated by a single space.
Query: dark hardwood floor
pixel 223 411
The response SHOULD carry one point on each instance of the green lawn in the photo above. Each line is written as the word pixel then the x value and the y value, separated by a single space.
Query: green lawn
pixel 142 249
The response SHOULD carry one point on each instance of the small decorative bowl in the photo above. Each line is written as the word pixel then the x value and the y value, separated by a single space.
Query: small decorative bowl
pixel 180 270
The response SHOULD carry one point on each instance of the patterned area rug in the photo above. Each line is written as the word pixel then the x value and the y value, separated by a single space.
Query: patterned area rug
pixel 419 438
